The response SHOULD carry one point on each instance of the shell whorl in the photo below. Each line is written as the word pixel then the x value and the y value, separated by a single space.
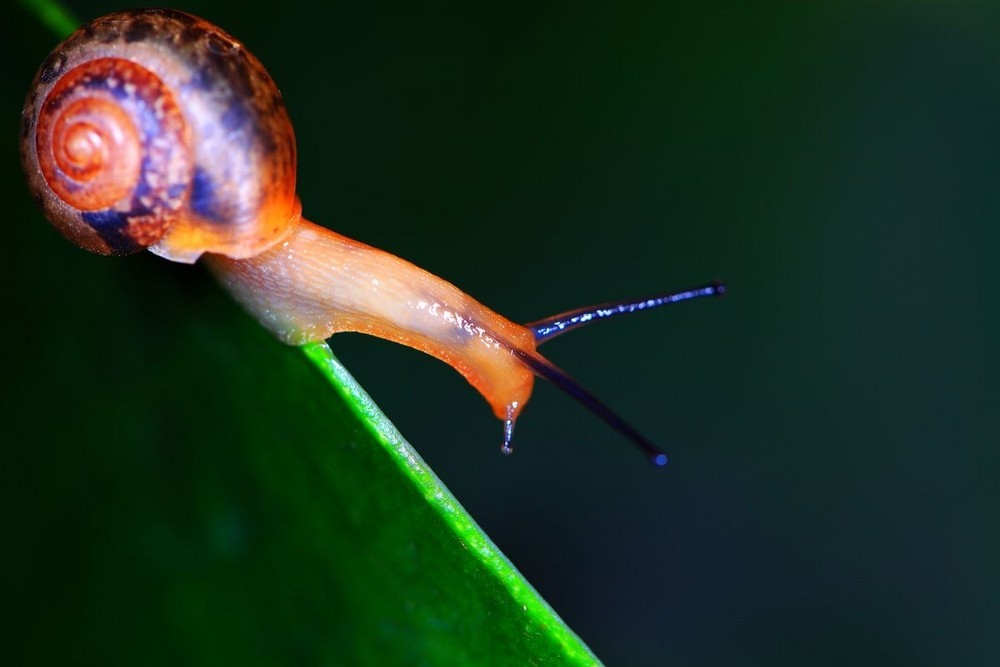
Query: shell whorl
pixel 114 150
pixel 154 128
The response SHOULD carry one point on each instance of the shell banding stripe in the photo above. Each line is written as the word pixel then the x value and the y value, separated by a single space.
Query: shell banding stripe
pixel 112 143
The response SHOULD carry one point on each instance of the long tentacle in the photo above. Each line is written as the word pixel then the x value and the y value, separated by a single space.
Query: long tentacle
pixel 556 325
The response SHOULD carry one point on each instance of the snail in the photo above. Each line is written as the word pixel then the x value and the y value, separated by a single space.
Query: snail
pixel 155 129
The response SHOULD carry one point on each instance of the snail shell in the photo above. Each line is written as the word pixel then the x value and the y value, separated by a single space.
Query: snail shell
pixel 156 129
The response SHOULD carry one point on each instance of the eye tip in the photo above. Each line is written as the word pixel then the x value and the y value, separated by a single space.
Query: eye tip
pixel 659 460
pixel 720 288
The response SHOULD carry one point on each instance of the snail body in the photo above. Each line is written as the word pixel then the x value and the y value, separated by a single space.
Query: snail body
pixel 353 287
pixel 156 129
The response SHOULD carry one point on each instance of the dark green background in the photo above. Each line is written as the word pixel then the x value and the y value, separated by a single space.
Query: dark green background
pixel 833 424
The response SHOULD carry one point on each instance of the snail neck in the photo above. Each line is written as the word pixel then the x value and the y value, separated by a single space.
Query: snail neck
pixel 316 283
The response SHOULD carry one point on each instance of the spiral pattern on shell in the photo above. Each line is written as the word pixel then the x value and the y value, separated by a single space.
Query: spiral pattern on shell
pixel 154 128
pixel 113 145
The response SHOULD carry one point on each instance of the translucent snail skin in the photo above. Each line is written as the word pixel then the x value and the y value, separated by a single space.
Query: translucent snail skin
pixel 155 129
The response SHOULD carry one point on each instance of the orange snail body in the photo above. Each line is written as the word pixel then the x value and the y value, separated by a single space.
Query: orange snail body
pixel 156 129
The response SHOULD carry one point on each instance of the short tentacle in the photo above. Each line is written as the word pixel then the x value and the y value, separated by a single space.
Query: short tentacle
pixel 545 369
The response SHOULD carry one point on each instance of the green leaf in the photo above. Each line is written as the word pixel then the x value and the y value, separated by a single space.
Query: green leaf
pixel 186 490
pixel 55 17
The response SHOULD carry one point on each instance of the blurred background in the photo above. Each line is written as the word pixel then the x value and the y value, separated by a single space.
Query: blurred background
pixel 832 423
